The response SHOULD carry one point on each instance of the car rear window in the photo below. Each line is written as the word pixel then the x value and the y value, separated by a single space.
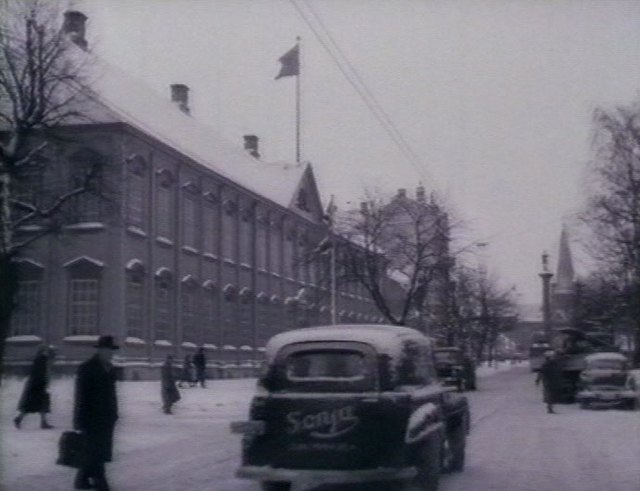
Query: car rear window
pixel 446 356
pixel 325 364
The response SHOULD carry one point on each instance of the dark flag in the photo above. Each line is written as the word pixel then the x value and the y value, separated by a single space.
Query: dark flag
pixel 290 63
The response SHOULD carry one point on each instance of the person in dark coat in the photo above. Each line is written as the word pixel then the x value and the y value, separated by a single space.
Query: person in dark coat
pixel 551 379
pixel 95 413
pixel 200 362
pixel 188 375
pixel 170 393
pixel 35 398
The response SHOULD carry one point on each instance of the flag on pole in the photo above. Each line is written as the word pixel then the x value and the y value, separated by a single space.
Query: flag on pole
pixel 290 63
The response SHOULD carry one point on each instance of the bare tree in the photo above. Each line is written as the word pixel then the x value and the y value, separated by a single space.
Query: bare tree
pixel 613 210
pixel 397 241
pixel 41 87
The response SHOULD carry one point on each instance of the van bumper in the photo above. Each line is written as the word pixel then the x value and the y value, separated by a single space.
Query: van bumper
pixel 267 473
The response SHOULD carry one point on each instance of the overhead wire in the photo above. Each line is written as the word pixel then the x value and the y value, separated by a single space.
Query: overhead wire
pixel 357 82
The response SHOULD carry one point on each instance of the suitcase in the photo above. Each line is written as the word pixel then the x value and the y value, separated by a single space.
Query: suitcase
pixel 71 449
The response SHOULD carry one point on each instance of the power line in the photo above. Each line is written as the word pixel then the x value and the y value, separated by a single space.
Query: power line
pixel 357 82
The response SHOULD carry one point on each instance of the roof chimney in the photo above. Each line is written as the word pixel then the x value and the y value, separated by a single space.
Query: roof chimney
pixel 180 95
pixel 420 194
pixel 74 27
pixel 251 145
pixel 402 193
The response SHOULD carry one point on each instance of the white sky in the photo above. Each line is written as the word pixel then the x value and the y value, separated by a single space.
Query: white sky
pixel 495 97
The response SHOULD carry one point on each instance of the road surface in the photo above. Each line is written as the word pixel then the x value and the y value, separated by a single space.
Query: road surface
pixel 513 446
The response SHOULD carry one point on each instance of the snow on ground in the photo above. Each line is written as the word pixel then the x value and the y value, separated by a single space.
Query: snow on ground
pixel 152 450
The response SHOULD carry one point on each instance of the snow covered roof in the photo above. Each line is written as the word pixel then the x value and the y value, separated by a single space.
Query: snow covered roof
pixel 122 98
pixel 385 339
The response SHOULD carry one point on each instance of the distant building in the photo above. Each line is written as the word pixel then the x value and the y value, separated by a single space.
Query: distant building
pixel 563 286
pixel 201 244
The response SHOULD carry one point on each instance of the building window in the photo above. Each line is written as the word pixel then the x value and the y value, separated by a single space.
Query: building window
pixel 136 197
pixel 189 221
pixel 164 205
pixel 26 317
pixel 289 253
pixel 85 172
pixel 275 246
pixel 246 236
pixel 210 230
pixel 229 231
pixel 210 312
pixel 83 299
pixel 83 314
pixel 188 307
pixel 163 305
pixel 135 301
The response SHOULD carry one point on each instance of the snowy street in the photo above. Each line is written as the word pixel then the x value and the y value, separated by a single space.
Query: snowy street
pixel 514 445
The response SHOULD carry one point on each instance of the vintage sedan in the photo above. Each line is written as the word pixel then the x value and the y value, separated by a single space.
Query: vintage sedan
pixel 352 403
pixel 606 382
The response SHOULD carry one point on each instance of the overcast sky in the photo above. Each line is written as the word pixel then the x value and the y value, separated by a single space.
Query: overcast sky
pixel 495 97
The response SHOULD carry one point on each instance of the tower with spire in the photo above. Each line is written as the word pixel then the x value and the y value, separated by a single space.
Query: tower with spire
pixel 563 289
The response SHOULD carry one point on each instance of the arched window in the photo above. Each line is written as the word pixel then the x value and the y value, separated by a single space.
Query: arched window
pixel 188 308
pixel 83 295
pixel 134 298
pixel 163 291
pixel 164 209
pixel 136 188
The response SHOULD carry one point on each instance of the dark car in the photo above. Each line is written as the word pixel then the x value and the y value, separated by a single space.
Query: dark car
pixel 454 368
pixel 352 403
pixel 606 382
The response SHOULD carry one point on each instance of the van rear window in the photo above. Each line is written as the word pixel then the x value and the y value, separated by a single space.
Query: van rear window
pixel 325 365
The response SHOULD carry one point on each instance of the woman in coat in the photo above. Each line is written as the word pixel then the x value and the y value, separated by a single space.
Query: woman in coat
pixel 35 398
pixel 551 379
pixel 170 393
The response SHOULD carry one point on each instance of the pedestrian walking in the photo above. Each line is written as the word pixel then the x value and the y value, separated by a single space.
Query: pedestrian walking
pixel 170 393
pixel 95 413
pixel 35 398
pixel 550 377
pixel 188 375
pixel 200 362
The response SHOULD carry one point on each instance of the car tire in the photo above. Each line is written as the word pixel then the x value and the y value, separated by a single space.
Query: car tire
pixel 457 444
pixel 461 385
pixel 275 486
pixel 428 465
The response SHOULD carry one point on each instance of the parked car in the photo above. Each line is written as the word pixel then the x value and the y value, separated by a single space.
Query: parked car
pixel 352 403
pixel 454 368
pixel 606 382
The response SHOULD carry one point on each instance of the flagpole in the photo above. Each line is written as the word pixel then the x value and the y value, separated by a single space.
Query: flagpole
pixel 298 157
pixel 332 258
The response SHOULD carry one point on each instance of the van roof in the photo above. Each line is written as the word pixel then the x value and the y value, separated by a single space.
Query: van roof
pixel 385 339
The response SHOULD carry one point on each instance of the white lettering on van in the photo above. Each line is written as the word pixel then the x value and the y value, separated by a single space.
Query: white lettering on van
pixel 323 424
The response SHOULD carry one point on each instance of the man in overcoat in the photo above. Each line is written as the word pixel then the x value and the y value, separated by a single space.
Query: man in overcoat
pixel 551 379
pixel 200 362
pixel 170 393
pixel 95 413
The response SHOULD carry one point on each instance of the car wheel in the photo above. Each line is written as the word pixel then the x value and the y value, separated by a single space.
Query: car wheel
pixel 457 444
pixel 275 486
pixel 428 465
pixel 461 385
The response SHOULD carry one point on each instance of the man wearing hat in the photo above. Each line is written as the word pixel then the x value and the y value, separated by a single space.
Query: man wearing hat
pixel 95 413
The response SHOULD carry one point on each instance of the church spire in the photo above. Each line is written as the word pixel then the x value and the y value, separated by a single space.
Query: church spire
pixel 565 273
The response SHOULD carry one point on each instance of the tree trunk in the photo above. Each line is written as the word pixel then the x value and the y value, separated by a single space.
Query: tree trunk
pixel 7 292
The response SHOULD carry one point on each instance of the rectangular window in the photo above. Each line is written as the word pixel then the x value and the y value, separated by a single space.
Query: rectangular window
pixel 26 317
pixel 189 222
pixel 164 213
pixel 163 311
pixel 229 237
pixel 275 250
pixel 83 306
pixel 135 306
pixel 246 241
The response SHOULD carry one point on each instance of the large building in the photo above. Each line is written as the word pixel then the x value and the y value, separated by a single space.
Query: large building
pixel 200 243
